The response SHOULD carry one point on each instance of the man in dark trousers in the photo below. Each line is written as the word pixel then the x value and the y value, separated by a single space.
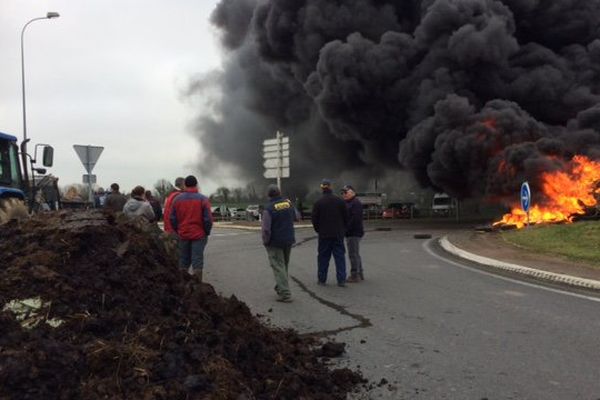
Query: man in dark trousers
pixel 278 238
pixel 191 219
pixel 330 220
pixel 354 233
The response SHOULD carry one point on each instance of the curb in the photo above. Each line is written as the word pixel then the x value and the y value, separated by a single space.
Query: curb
pixel 532 272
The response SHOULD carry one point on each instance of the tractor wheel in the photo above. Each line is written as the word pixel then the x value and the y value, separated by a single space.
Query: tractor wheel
pixel 12 208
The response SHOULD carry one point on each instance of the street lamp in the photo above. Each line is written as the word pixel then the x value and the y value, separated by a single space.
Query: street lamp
pixel 49 15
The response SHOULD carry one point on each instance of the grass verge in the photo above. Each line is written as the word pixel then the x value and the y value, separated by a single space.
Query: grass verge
pixel 579 241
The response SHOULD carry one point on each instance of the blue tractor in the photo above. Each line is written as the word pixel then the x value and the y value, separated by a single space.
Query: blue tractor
pixel 15 185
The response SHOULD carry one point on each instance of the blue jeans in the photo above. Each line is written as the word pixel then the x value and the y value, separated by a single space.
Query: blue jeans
pixel 191 252
pixel 326 248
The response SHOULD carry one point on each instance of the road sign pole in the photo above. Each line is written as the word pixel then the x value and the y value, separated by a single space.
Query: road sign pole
pixel 279 159
pixel 90 195
pixel 525 194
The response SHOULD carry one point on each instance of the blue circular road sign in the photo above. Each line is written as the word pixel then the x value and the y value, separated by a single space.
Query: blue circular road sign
pixel 525 196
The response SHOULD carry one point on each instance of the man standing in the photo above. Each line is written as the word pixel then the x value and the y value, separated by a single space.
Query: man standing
pixel 191 219
pixel 354 233
pixel 137 206
pixel 278 238
pixel 154 203
pixel 115 200
pixel 168 202
pixel 330 218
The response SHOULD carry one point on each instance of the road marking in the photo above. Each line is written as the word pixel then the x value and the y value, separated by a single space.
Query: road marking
pixel 426 247
pixel 230 234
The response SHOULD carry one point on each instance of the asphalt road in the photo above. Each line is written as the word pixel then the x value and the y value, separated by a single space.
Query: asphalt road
pixel 433 328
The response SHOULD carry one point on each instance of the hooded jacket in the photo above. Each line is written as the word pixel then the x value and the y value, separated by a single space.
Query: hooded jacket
pixel 138 207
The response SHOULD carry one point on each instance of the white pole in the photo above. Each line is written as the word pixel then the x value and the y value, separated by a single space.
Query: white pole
pixel 90 194
pixel 279 137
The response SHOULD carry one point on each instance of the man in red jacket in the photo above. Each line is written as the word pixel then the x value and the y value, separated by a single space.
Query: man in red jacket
pixel 192 220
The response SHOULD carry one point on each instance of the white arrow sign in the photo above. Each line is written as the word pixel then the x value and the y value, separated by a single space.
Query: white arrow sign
pixel 276 154
pixel 276 148
pixel 274 162
pixel 276 141
pixel 88 155
pixel 271 173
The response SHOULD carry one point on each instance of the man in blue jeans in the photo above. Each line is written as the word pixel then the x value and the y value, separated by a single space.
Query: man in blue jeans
pixel 191 219
pixel 330 220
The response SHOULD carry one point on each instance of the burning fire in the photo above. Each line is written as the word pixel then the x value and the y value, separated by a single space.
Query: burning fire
pixel 566 194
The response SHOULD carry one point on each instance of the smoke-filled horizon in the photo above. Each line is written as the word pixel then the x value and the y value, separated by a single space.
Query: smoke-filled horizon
pixel 472 97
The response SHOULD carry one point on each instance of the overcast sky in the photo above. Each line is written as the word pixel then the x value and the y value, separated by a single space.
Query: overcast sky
pixel 108 73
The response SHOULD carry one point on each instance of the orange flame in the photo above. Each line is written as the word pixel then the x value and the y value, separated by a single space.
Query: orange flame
pixel 566 194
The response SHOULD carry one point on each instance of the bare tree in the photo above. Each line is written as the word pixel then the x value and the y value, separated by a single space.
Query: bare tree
pixel 223 193
pixel 251 193
pixel 237 194
pixel 162 188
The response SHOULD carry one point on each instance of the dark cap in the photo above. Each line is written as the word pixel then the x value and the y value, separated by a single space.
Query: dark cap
pixel 190 181
pixel 348 187
pixel 325 183
pixel 273 191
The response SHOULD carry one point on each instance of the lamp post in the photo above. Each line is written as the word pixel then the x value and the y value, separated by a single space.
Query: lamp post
pixel 49 15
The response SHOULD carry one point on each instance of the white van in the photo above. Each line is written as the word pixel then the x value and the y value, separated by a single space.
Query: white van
pixel 442 204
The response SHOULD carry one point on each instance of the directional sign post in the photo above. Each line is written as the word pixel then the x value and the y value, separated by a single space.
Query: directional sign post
pixel 526 199
pixel 89 155
pixel 276 153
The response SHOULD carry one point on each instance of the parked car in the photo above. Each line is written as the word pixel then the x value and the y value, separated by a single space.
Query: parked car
pixel 237 213
pixel 219 212
pixel 398 210
pixel 253 211
pixel 372 211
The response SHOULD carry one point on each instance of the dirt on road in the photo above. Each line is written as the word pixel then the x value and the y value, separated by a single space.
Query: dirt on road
pixel 94 307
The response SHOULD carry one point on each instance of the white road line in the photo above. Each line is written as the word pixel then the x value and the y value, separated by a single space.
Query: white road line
pixel 504 278
pixel 230 234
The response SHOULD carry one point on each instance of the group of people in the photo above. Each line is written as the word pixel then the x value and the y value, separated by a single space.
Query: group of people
pixel 141 203
pixel 188 219
pixel 333 218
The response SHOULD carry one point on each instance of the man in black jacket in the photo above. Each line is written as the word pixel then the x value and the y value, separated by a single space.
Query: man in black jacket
pixel 330 220
pixel 354 233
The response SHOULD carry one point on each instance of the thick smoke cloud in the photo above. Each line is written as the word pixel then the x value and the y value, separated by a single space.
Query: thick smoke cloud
pixel 471 96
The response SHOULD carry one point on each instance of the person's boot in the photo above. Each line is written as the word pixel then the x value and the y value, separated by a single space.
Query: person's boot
pixel 354 278
pixel 362 277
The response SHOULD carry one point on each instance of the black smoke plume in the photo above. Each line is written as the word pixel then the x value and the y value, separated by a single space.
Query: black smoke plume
pixel 471 96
